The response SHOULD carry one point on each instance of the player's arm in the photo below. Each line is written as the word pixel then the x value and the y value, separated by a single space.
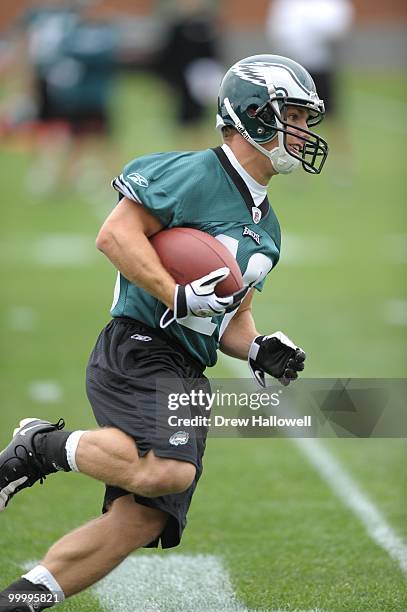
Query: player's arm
pixel 241 331
pixel 124 239
pixel 274 354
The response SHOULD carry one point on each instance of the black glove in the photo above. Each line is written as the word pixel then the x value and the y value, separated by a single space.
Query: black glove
pixel 275 355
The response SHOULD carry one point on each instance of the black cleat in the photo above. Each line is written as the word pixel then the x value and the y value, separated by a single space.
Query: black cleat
pixel 20 464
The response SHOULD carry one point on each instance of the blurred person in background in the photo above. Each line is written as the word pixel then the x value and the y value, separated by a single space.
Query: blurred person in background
pixel 32 44
pixel 189 62
pixel 312 33
pixel 68 66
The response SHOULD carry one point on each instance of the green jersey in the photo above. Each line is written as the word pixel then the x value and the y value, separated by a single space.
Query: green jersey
pixel 202 190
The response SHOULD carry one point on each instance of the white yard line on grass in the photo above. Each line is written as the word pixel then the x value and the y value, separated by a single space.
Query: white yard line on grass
pixel 170 583
pixel 343 485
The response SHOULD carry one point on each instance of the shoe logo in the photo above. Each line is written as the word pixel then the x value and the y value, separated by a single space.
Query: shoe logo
pixel 32 427
pixel 141 338
pixel 180 437
pixel 139 179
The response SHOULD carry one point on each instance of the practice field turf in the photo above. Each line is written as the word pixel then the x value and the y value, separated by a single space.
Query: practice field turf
pixel 279 530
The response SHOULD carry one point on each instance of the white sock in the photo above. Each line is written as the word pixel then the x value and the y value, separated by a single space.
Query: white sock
pixel 70 446
pixel 40 575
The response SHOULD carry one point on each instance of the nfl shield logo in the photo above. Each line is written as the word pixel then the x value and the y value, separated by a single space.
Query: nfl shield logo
pixel 256 214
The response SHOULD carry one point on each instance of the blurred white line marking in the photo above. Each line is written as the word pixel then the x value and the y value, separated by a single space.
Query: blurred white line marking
pixel 22 318
pixel 343 485
pixel 308 250
pixel 174 583
pixel 64 250
pixel 45 391
pixel 395 246
pixel 396 312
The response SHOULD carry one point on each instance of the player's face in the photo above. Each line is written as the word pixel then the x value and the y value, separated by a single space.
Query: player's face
pixel 295 139
pixel 297 118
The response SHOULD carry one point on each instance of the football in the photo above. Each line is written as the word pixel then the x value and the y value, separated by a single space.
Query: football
pixel 188 254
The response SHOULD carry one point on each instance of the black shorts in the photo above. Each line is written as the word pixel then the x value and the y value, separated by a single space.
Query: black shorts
pixel 78 121
pixel 128 362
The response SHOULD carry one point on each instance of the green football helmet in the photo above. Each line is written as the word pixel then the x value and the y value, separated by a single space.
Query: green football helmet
pixel 253 98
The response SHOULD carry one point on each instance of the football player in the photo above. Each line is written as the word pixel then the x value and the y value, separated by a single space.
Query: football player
pixel 267 106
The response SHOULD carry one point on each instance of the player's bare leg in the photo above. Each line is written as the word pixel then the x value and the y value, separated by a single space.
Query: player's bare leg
pixel 39 448
pixel 87 554
pixel 111 456
pixel 81 558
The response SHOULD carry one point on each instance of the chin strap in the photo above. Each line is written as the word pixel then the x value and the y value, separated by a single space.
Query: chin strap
pixel 280 159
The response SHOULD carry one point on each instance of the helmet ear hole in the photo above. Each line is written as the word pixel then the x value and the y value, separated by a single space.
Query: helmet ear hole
pixel 251 111
pixel 266 114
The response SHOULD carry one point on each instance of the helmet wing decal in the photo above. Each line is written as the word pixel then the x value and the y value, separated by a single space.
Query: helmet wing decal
pixel 256 73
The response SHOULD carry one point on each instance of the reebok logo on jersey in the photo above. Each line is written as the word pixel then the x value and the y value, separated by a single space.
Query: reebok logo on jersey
pixel 141 338
pixel 248 232
pixel 139 179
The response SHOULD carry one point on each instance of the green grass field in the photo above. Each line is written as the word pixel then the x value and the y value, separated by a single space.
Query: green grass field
pixel 287 541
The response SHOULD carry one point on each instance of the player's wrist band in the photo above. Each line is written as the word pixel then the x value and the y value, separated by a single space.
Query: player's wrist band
pixel 255 347
pixel 256 370
pixel 180 302
pixel 180 308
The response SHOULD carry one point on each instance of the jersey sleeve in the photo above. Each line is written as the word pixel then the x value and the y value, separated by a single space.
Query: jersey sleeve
pixel 260 283
pixel 259 286
pixel 257 264
pixel 142 181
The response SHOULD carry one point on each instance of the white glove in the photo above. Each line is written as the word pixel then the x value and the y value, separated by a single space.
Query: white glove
pixel 199 299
